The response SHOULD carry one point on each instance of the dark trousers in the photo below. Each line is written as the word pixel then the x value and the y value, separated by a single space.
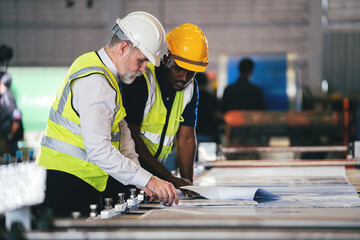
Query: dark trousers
pixel 66 193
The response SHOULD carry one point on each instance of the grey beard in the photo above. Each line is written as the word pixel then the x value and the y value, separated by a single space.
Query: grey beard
pixel 129 78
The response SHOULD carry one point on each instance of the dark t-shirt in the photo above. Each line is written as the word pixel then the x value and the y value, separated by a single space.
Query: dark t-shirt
pixel 10 110
pixel 243 95
pixel 135 96
pixel 5 121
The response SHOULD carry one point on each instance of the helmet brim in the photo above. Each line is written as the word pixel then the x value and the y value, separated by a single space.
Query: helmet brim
pixel 190 67
pixel 154 59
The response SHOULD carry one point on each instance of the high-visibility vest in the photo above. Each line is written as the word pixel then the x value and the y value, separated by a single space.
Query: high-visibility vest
pixel 62 147
pixel 158 128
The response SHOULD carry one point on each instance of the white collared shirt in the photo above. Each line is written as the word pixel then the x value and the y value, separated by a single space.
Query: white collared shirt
pixel 94 100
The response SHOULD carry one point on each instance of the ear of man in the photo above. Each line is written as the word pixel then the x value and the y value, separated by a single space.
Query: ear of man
pixel 166 60
pixel 122 48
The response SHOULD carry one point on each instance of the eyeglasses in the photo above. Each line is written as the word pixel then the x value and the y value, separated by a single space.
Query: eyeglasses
pixel 172 64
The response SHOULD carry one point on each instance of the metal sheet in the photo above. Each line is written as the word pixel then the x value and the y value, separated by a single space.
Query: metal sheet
pixel 300 187
pixel 273 176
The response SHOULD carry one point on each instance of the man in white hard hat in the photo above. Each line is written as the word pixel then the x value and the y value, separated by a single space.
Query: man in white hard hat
pixel 87 148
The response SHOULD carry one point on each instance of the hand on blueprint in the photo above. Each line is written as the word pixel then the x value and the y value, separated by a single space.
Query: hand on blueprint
pixel 180 182
pixel 188 193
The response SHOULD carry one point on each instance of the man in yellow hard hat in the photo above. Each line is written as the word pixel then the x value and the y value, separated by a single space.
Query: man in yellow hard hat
pixel 162 105
pixel 87 148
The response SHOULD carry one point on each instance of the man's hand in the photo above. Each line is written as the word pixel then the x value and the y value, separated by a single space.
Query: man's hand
pixel 165 191
pixel 179 182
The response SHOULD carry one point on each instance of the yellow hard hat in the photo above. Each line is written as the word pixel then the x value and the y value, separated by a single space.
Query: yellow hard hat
pixel 188 47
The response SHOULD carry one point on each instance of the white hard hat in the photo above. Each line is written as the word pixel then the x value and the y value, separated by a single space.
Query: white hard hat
pixel 144 31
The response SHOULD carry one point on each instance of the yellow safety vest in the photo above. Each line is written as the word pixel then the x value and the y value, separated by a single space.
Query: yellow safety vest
pixel 158 129
pixel 62 147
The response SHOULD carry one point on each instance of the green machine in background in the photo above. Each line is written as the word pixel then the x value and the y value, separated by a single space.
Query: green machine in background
pixel 35 89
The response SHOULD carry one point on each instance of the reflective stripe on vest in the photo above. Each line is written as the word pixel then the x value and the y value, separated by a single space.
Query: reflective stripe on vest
pixel 56 116
pixel 156 138
pixel 152 137
pixel 62 147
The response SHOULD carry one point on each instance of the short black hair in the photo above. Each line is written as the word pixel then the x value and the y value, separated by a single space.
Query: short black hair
pixel 6 53
pixel 246 66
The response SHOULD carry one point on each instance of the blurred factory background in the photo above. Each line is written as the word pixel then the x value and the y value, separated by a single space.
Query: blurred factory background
pixel 307 63
pixel 301 48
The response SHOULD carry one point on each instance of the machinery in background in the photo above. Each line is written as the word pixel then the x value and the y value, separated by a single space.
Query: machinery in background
pixel 294 117
pixel 335 126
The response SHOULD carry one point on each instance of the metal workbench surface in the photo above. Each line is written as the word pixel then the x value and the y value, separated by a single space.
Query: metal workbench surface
pixel 248 221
